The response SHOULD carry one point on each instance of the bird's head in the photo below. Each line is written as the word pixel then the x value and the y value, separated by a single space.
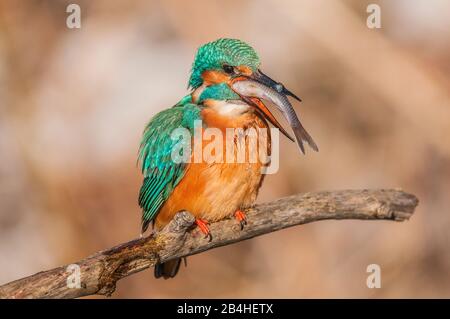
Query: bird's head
pixel 229 69
pixel 222 60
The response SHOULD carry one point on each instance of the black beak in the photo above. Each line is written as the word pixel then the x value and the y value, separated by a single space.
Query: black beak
pixel 277 86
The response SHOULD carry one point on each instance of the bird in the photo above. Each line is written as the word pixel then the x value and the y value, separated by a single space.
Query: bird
pixel 227 90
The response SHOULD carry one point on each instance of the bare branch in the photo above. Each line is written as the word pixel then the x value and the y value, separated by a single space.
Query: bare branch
pixel 101 271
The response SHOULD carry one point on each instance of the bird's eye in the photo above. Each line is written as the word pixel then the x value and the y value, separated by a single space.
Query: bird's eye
pixel 228 69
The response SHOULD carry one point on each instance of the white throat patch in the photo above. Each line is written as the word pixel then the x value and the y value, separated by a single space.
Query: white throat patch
pixel 230 108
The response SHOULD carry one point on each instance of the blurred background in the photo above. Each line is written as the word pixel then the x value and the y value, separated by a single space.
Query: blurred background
pixel 74 102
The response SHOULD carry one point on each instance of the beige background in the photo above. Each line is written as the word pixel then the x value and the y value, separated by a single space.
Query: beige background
pixel 73 104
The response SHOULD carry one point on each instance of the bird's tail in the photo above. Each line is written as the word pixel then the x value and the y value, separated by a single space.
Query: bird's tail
pixel 167 270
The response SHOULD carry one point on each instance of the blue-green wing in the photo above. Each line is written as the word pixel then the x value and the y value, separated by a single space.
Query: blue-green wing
pixel 161 173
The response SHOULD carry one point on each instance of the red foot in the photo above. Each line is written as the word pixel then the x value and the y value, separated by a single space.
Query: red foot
pixel 203 225
pixel 241 218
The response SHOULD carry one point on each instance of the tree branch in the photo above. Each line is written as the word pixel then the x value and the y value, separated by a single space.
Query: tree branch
pixel 100 272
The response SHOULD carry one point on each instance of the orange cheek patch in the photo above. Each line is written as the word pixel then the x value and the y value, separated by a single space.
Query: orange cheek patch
pixel 214 77
pixel 245 70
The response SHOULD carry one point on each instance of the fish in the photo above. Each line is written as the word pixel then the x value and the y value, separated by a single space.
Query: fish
pixel 276 95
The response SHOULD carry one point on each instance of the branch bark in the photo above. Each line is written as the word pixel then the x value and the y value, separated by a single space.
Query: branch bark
pixel 100 272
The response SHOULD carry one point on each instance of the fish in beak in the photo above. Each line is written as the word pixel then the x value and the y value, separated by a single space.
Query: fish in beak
pixel 259 86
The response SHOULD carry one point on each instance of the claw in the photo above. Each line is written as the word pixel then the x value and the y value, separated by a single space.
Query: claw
pixel 241 218
pixel 203 225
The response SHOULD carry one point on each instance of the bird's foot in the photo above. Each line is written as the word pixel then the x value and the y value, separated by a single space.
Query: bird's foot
pixel 241 218
pixel 203 225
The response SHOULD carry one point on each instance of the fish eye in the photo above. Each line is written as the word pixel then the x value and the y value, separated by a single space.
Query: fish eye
pixel 228 69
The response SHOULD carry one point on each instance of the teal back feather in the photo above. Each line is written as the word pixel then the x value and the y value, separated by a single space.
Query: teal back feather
pixel 161 173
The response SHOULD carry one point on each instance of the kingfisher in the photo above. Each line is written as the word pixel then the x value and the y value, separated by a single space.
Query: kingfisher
pixel 228 90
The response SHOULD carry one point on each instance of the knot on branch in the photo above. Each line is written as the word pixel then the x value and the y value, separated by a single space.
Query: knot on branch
pixel 179 224
pixel 172 237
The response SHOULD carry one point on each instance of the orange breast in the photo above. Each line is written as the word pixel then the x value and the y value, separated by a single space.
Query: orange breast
pixel 214 191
